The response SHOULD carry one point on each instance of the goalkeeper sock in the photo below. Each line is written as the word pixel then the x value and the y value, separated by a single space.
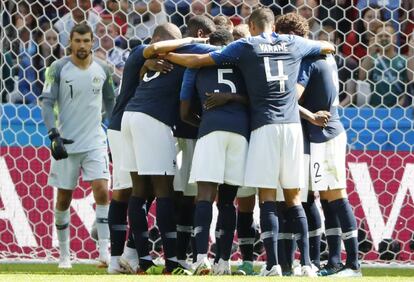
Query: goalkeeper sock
pixel 139 228
pixel 227 217
pixel 315 231
pixel 62 222
pixel 333 234
pixel 202 221
pixel 245 234
pixel 117 221
pixel 299 225
pixel 167 227
pixel 349 230
pixel 270 228
pixel 103 229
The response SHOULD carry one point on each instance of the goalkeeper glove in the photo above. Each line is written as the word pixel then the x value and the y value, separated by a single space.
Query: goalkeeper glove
pixel 57 145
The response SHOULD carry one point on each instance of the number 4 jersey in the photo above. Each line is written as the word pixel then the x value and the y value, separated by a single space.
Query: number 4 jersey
pixel 269 64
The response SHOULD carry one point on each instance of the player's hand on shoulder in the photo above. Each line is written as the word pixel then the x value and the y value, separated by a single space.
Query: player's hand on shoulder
pixel 216 99
pixel 321 118
pixel 57 145
pixel 159 65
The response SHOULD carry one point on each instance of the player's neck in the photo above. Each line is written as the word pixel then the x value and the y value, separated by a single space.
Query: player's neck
pixel 82 64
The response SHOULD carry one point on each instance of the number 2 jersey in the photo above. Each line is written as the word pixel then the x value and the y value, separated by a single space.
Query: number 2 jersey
pixel 79 94
pixel 270 65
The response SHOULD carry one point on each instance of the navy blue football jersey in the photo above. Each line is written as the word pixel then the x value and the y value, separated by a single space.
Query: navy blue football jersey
pixel 306 142
pixel 129 83
pixel 183 129
pixel 319 76
pixel 270 66
pixel 158 93
pixel 231 117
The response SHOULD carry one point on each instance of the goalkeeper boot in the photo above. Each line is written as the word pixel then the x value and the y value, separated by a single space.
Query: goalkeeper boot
pixel 246 269
pixel 222 268
pixel 64 262
pixel 202 267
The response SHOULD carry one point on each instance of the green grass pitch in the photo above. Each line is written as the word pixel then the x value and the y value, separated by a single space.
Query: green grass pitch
pixel 87 273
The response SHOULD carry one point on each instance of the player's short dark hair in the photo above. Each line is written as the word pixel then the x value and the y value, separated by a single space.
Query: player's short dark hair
pixel 262 17
pixel 292 23
pixel 200 22
pixel 221 37
pixel 223 22
pixel 81 28
pixel 167 31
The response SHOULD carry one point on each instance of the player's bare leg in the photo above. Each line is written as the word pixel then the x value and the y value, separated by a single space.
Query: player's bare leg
pixel 339 207
pixel 299 226
pixel 62 222
pixel 246 233
pixel 101 195
pixel 270 227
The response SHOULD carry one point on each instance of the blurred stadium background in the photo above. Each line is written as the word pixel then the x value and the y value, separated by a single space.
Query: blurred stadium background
pixel 375 55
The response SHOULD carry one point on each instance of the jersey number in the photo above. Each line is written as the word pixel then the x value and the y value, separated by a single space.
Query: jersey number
pixel 221 80
pixel 272 68
pixel 71 91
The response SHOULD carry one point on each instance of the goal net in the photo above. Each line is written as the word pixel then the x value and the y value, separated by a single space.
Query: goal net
pixel 375 56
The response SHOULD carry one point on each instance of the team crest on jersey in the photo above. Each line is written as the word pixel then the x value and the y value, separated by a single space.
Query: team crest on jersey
pixel 97 85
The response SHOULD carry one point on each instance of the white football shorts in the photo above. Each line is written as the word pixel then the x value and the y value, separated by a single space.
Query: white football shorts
pixel 149 145
pixel 220 157
pixel 275 156
pixel 327 167
pixel 121 179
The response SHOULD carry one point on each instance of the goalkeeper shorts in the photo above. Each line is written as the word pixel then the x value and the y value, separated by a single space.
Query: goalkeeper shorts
pixel 93 164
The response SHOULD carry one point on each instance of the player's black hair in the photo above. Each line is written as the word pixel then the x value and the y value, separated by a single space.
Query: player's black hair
pixel 167 31
pixel 221 37
pixel 292 23
pixel 200 22
pixel 262 18
pixel 81 28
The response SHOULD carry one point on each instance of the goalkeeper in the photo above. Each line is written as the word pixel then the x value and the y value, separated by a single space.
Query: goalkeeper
pixel 77 84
